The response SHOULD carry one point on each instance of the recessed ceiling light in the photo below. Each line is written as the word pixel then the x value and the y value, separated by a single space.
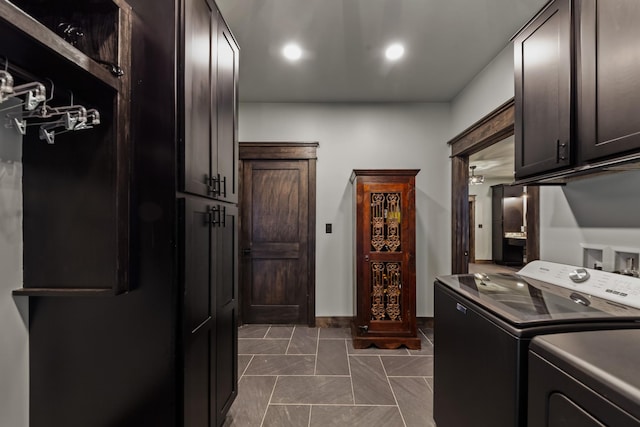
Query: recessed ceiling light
pixel 292 52
pixel 394 52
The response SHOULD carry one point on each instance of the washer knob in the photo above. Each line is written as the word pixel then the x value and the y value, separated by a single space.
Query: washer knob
pixel 579 275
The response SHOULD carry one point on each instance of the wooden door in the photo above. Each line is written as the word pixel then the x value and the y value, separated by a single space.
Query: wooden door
pixel 277 232
pixel 542 54
pixel 608 63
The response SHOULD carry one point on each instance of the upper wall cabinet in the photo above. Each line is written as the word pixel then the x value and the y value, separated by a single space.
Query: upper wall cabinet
pixel 66 64
pixel 209 68
pixel 577 88
pixel 608 69
pixel 542 54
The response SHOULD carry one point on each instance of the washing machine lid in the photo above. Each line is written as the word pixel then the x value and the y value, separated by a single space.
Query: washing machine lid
pixel 542 293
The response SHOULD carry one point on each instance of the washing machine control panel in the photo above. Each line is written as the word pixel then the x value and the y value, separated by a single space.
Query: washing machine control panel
pixel 602 284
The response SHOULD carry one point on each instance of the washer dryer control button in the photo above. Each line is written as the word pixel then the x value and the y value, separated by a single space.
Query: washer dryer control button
pixel 579 275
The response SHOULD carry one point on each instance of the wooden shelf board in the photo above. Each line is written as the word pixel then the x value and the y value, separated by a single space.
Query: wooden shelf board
pixel 16 17
pixel 56 292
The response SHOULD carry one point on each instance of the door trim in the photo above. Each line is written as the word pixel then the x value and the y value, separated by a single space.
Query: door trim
pixel 493 128
pixel 472 228
pixel 257 150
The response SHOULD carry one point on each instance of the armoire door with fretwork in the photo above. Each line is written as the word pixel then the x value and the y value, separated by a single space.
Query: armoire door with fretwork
pixel 385 258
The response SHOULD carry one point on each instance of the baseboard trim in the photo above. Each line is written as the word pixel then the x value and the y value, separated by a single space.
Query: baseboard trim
pixel 483 261
pixel 333 322
pixel 345 322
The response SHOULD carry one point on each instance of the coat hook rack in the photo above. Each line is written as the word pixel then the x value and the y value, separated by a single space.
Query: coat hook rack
pixel 34 92
pixel 52 120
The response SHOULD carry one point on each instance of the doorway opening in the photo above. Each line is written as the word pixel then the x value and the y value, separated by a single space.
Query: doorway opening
pixel 480 145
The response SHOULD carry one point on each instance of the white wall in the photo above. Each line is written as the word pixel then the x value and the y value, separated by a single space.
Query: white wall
pixel 492 87
pixel 366 136
pixel 14 332
pixel 602 210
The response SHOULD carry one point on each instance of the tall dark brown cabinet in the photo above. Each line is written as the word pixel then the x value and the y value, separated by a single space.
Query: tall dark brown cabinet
pixel 508 239
pixel 385 258
pixel 131 268
pixel 208 213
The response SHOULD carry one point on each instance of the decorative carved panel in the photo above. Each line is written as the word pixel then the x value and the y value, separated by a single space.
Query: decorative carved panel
pixel 386 289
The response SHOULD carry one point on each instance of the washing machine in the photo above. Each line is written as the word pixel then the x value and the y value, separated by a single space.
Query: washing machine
pixel 484 324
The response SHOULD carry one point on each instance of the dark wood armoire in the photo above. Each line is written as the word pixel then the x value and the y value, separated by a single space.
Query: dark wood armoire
pixel 385 258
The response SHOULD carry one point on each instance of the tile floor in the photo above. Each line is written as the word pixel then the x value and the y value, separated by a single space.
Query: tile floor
pixel 307 377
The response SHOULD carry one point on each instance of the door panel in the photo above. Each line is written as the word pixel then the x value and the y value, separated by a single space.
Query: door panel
pixel 609 89
pixel 197 255
pixel 227 77
pixel 197 371
pixel 276 203
pixel 226 312
pixel 197 286
pixel 542 55
pixel 199 26
pixel 385 263
pixel 275 221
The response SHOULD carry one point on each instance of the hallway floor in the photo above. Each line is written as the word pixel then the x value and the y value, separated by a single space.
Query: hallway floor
pixel 307 377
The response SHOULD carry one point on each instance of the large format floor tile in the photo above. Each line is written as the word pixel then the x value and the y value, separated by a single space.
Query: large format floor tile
pixel 296 376
pixel 403 366
pixel 251 403
pixel 356 416
pixel 303 341
pixel 370 383
pixel 279 332
pixel 313 390
pixel 281 365
pixel 415 400
pixel 287 416
pixel 253 331
pixel 257 346
pixel 332 357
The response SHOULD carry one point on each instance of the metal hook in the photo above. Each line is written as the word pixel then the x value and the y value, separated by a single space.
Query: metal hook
pixel 6 85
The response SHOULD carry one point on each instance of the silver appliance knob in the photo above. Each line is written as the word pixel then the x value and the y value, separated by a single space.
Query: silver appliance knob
pixel 579 275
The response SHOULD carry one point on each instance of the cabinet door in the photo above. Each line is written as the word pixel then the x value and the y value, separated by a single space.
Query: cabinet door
pixel 198 319
pixel 227 147
pixel 542 54
pixel 226 288
pixel 386 290
pixel 199 33
pixel 608 62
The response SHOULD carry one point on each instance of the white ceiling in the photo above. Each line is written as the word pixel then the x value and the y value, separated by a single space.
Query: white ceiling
pixel 447 43
pixel 496 161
